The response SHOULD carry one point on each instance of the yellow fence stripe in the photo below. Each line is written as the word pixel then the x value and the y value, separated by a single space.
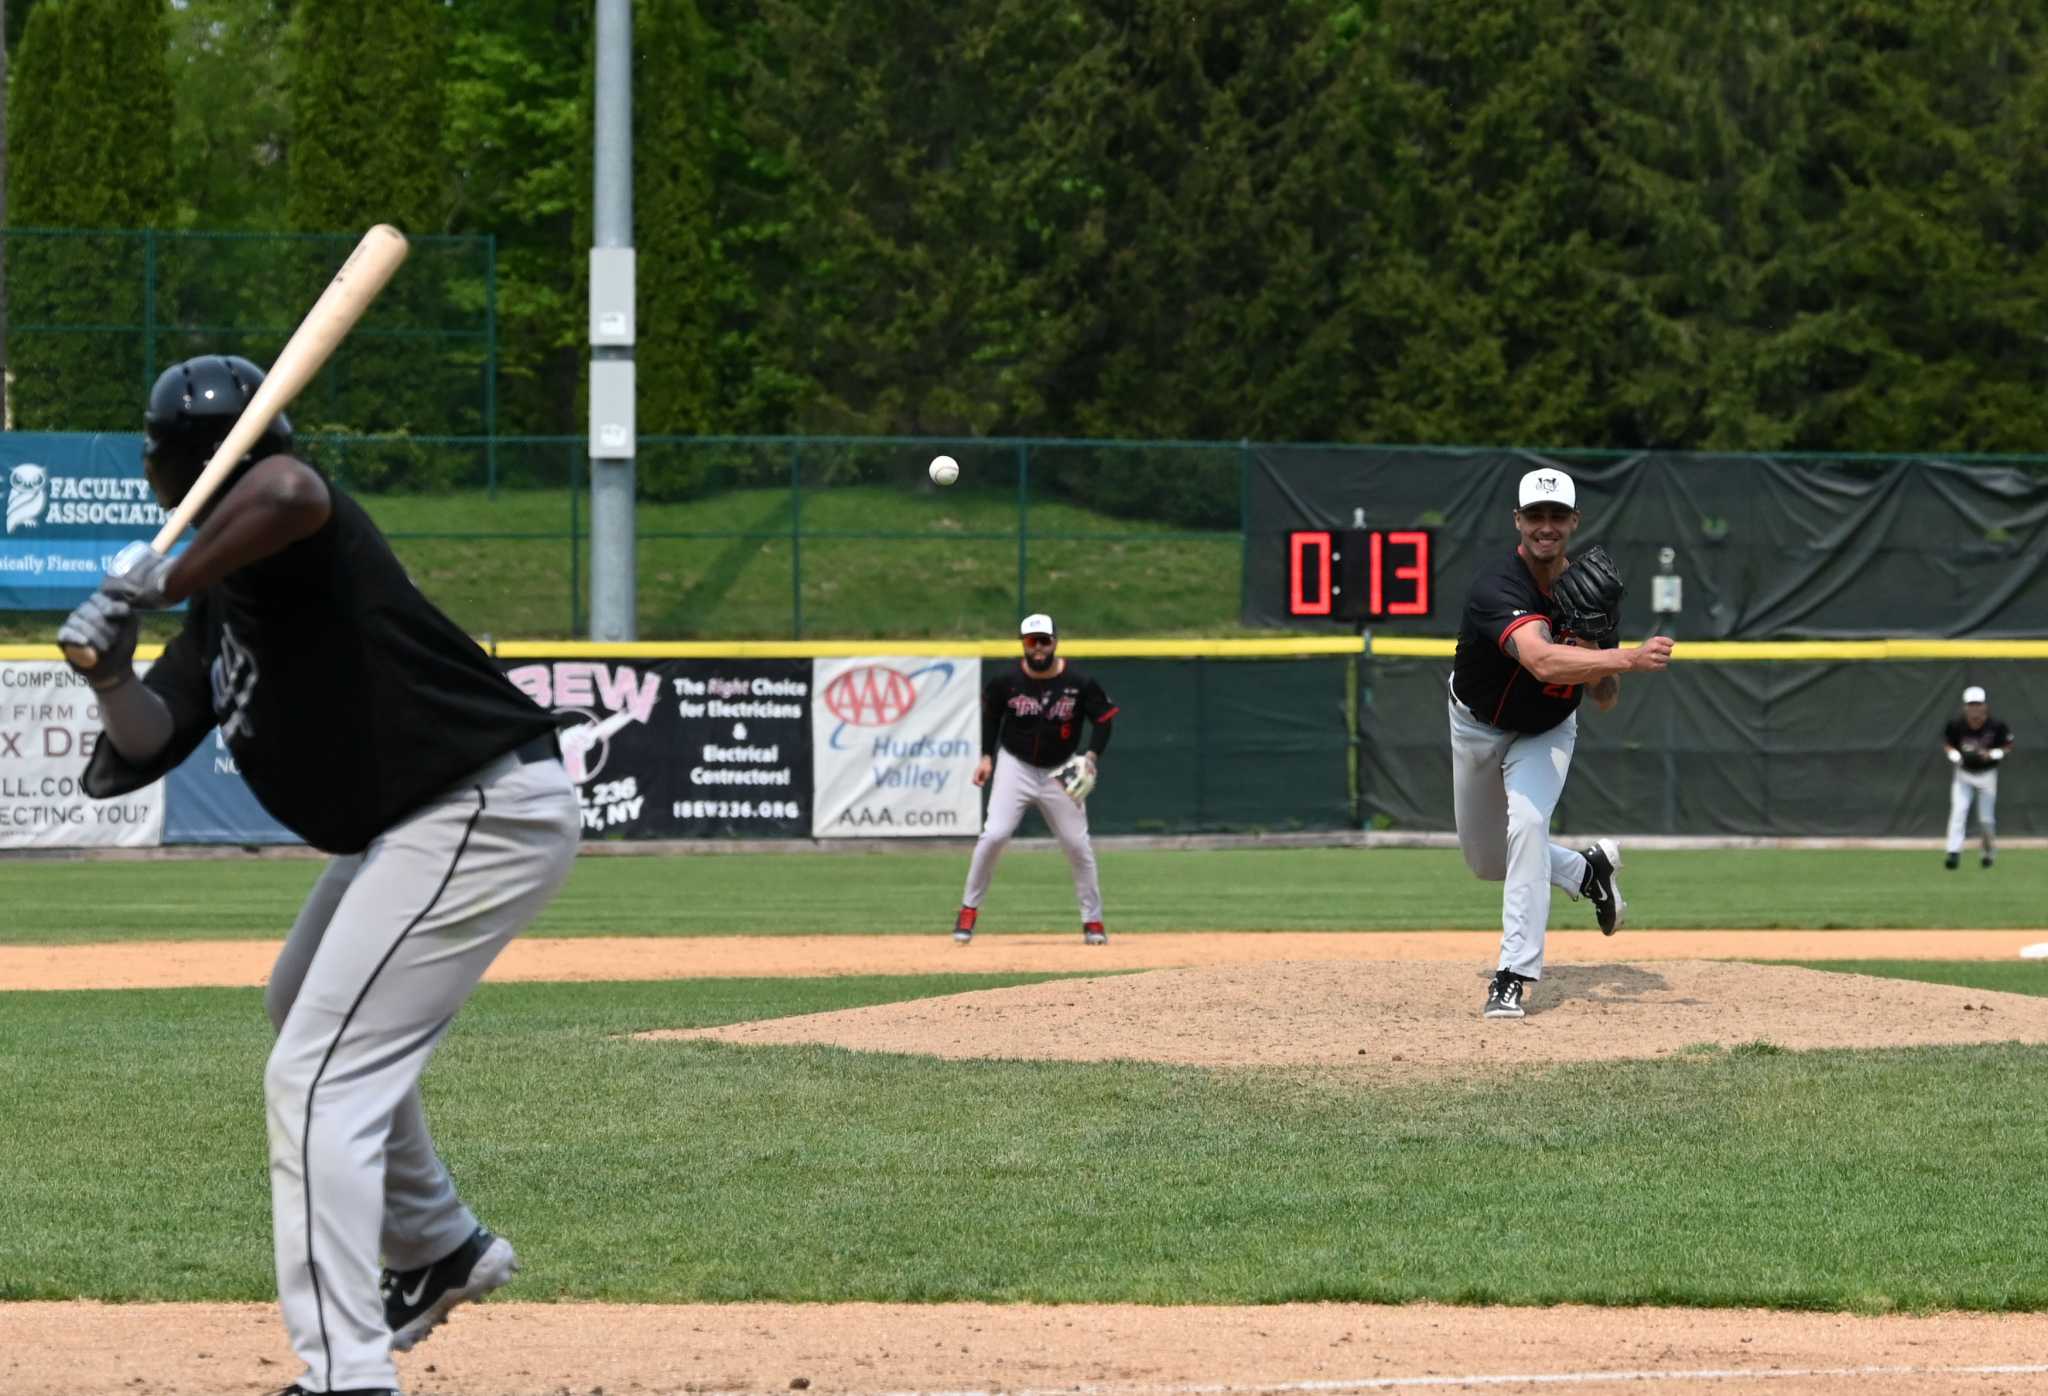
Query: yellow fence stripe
pixel 1408 647
pixel 1282 647
pixel 1724 651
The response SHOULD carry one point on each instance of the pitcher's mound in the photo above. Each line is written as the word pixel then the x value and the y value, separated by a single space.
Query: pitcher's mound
pixel 1405 1019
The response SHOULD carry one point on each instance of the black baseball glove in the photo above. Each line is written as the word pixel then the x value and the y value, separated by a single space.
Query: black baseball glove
pixel 1588 598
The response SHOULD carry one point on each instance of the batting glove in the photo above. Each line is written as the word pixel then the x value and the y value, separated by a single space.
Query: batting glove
pixel 139 576
pixel 1998 753
pixel 107 626
pixel 1955 758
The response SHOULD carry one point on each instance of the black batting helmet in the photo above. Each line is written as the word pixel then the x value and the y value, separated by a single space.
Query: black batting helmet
pixel 194 404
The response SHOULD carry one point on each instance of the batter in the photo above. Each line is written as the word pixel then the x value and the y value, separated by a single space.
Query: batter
pixel 1516 683
pixel 1031 719
pixel 369 724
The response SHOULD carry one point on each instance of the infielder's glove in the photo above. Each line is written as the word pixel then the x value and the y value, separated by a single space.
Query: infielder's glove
pixel 1076 777
pixel 1588 598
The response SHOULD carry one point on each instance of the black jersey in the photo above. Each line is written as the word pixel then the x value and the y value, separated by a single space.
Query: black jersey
pixel 1039 720
pixel 1977 743
pixel 347 698
pixel 1484 676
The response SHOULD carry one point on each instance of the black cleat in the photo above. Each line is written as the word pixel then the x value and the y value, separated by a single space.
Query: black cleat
pixel 416 1301
pixel 1602 887
pixel 1504 996
pixel 1987 861
pixel 1951 861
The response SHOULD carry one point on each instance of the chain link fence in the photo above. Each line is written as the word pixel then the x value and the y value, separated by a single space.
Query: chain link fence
pixel 93 315
pixel 817 538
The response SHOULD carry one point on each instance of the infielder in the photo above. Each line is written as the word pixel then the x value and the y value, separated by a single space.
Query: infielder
pixel 1530 643
pixel 1031 717
pixel 373 727
pixel 1976 743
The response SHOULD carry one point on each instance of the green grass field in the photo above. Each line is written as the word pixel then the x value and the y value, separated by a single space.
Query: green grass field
pixel 933 566
pixel 1862 1181
pixel 915 891
pixel 683 1171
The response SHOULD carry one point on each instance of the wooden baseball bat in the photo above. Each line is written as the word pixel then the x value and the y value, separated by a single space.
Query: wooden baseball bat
pixel 347 296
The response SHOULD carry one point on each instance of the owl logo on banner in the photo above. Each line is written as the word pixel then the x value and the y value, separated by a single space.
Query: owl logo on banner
pixel 28 494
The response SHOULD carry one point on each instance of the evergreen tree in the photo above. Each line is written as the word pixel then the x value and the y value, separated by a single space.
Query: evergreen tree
pixel 365 147
pixel 366 102
pixel 1931 150
pixel 674 278
pixel 89 111
pixel 516 139
pixel 1486 308
pixel 231 71
pixel 920 202
pixel 1230 195
pixel 672 211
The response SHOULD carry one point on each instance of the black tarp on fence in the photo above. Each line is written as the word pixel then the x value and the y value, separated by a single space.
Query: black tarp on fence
pixel 1781 748
pixel 1768 548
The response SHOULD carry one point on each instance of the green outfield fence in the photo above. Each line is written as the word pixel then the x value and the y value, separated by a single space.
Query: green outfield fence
pixel 94 314
pixel 755 537
pixel 818 537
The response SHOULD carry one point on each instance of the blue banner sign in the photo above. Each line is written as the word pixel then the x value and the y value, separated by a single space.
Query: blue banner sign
pixel 206 801
pixel 74 499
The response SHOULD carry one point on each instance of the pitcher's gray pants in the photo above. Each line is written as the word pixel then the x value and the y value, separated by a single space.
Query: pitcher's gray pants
pixel 1982 786
pixel 1504 786
pixel 1015 787
pixel 387 948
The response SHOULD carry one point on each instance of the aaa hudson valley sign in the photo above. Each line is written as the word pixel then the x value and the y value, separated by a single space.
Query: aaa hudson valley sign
pixel 895 743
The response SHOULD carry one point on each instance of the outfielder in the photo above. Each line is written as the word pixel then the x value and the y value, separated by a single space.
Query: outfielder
pixel 369 724
pixel 1976 743
pixel 1537 630
pixel 1031 717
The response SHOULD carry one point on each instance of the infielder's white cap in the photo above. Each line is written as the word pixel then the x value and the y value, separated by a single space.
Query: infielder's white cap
pixel 1973 694
pixel 1547 487
pixel 1037 625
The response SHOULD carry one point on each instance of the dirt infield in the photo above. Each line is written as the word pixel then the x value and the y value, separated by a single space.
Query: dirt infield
pixel 1395 1005
pixel 506 1349
pixel 1400 1020
pixel 196 963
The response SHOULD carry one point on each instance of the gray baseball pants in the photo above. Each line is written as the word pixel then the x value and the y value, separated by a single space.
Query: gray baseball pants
pixel 386 949
pixel 1964 787
pixel 1504 786
pixel 1015 787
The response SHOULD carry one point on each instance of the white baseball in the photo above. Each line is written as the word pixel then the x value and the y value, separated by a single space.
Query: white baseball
pixel 945 470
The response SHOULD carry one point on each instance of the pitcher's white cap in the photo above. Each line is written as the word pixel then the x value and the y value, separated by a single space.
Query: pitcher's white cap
pixel 1037 625
pixel 1547 487
pixel 1973 694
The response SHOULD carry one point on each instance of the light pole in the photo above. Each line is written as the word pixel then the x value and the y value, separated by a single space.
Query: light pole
pixel 1666 599
pixel 612 435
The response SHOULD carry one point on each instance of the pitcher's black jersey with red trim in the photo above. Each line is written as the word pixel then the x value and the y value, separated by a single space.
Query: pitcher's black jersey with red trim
pixel 1977 743
pixel 1039 720
pixel 1484 676
pixel 346 697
